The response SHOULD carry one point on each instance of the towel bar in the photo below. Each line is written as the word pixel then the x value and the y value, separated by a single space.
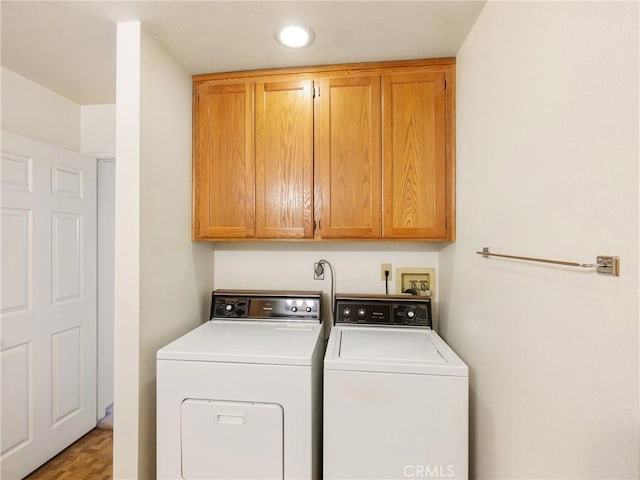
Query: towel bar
pixel 605 265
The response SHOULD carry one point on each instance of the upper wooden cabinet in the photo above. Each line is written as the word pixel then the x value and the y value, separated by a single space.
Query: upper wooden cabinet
pixel 362 151
pixel 284 159
pixel 223 161
pixel 348 157
pixel 414 156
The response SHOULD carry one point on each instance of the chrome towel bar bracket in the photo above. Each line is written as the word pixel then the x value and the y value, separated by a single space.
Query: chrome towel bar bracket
pixel 605 265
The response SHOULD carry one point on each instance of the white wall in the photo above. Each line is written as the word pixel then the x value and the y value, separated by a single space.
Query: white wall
pixel 289 266
pixel 98 139
pixel 547 165
pixel 127 254
pixel 98 130
pixel 36 112
pixel 163 280
pixel 106 228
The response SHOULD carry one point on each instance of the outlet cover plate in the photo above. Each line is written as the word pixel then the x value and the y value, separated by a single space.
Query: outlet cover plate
pixel 383 267
pixel 318 271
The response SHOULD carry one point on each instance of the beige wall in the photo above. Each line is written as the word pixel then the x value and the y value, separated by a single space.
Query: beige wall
pixel 547 165
pixel 163 280
pixel 289 266
pixel 33 111
pixel 36 112
pixel 98 130
pixel 127 254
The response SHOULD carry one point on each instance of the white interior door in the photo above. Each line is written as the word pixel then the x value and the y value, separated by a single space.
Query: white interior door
pixel 47 302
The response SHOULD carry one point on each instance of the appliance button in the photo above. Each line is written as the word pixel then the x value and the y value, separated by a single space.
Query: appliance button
pixel 307 309
pixel 294 309
pixel 228 307
pixel 362 312
pixel 346 312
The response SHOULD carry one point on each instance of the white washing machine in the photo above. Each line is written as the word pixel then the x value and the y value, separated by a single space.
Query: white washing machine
pixel 395 394
pixel 240 396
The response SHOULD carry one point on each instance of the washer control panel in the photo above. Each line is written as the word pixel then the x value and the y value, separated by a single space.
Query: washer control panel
pixel 389 310
pixel 272 305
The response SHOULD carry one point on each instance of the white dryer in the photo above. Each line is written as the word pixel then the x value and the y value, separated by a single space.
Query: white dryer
pixel 239 397
pixel 395 394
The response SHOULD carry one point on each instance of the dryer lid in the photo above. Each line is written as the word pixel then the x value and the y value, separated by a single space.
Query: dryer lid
pixel 273 343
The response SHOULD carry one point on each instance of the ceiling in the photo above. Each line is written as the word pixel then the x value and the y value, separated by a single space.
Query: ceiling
pixel 70 47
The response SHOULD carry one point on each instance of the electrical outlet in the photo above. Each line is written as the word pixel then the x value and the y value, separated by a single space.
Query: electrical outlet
pixel 383 268
pixel 318 271
pixel 420 280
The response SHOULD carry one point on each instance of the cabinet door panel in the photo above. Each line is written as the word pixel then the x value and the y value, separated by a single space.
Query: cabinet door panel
pixel 284 159
pixel 414 157
pixel 349 157
pixel 223 162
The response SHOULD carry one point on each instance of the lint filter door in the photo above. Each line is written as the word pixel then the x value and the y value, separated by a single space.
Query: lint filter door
pixel 231 440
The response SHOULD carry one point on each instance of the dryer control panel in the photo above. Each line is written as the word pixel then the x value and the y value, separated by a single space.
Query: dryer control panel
pixel 272 305
pixel 388 310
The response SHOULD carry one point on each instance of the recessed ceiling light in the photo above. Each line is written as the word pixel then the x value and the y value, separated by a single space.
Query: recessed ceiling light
pixel 294 36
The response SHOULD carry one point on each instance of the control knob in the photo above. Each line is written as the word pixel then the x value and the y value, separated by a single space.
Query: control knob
pixel 362 312
pixel 294 309
pixel 228 307
pixel 409 314
pixel 307 309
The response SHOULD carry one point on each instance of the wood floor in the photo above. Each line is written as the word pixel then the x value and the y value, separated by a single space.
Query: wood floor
pixel 90 458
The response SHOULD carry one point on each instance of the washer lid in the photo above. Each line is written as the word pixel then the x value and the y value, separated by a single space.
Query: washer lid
pixel 274 343
pixel 394 350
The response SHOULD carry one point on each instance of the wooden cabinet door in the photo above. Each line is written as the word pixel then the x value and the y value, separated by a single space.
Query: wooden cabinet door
pixel 223 166
pixel 284 159
pixel 348 161
pixel 413 156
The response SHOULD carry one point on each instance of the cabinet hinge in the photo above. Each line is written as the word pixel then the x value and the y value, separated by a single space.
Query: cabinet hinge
pixel 316 92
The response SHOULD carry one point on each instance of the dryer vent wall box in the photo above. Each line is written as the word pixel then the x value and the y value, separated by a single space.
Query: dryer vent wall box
pixel 416 280
pixel 240 396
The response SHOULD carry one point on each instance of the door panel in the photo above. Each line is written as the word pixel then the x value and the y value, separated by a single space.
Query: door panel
pixel 66 381
pixel 16 172
pixel 413 159
pixel 224 168
pixel 284 159
pixel 66 182
pixel 17 399
pixel 48 321
pixel 349 157
pixel 66 231
pixel 16 257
